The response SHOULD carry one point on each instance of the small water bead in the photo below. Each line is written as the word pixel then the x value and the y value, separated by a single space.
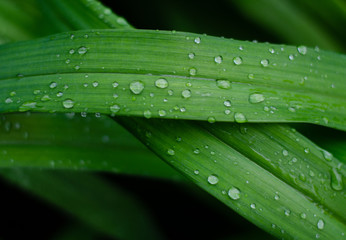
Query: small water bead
pixel 327 155
pixel 265 62
pixel 95 84
pixel 271 50
pixel 82 50
pixel 320 224
pixel 115 84
pixel 162 113
pixel 287 212
pixel 241 48
pixel 223 84
pixel 77 67
pixel 237 60
pixel 68 103
pixel 45 98
pixel 8 100
pixel 234 193
pixel 170 152
pixel 213 179
pixel 136 87
pixel 256 98
pixel 53 85
pixel 197 40
pixel 67 61
pixel 227 103
pixel 114 108
pixel 211 120
pixel 285 152
pixel 336 180
pixel 303 215
pixel 196 172
pixel 240 117
pixel 291 57
pixel 276 197
pixel 192 71
pixel 191 55
pixel 196 151
pixel 147 114
pixel 71 51
pixel 218 59
pixel 186 93
pixel 161 83
pixel 59 94
pixel 251 76
pixel 227 111
pixel 253 205
pixel 302 50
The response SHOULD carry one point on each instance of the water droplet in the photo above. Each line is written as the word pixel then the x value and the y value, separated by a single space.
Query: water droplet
pixel 287 212
pixel 223 84
pixel 53 85
pixel 45 98
pixel 302 50
pixel 240 117
pixel 59 94
pixel 211 119
pixel 192 71
pixel 8 100
pixel 147 114
pixel 186 93
pixel 276 197
pixel 303 215
pixel 136 87
pixel 218 59
pixel 265 62
pixel 291 57
pixel 285 152
pixel 95 84
pixel 29 105
pixel 114 108
pixel 197 40
pixel 196 151
pixel 196 172
pixel 227 103
pixel 67 61
pixel 256 98
pixel 170 152
pixel 161 83
pixel 71 51
pixel 327 155
pixel 271 50
pixel 237 60
pixel 253 205
pixel 82 50
pixel 68 103
pixel 336 180
pixel 320 224
pixel 191 55
pixel 251 76
pixel 115 84
pixel 213 179
pixel 162 113
pixel 234 193
pixel 306 150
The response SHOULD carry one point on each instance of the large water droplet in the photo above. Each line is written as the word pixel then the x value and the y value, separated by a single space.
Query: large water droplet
pixel 240 117
pixel 336 180
pixel 161 83
pixel 213 179
pixel 320 224
pixel 68 103
pixel 186 93
pixel 82 50
pixel 223 84
pixel 136 87
pixel 218 59
pixel 327 155
pixel 256 98
pixel 302 50
pixel 237 60
pixel 234 193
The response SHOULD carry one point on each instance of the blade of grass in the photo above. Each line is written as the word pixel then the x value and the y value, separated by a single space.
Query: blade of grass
pixel 123 72
pixel 90 199
pixel 92 143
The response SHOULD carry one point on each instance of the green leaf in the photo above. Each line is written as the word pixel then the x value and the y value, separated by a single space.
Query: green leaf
pixel 122 72
pixel 107 208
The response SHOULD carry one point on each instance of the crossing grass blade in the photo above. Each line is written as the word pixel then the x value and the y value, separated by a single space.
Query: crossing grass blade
pixel 122 72
pixel 39 140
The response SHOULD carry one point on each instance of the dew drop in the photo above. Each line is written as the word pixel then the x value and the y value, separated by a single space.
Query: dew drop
pixel 71 51
pixel 291 57
pixel 82 50
pixel 192 71
pixel 196 172
pixel 147 114
pixel 197 40
pixel 265 62
pixel 271 50
pixel 53 85
pixel 161 83
pixel 256 98
pixel 8 100
pixel 170 152
pixel 95 84
pixel 240 117
pixel 251 76
pixel 302 50
pixel 45 98
pixel 191 55
pixel 336 180
pixel 237 60
pixel 234 193
pixel 136 87
pixel 162 113
pixel 253 205
pixel 115 84
pixel 320 224
pixel 68 103
pixel 227 103
pixel 303 215
pixel 114 108
pixel 27 106
pixel 287 212
pixel 196 151
pixel 285 152
pixel 211 120
pixel 218 59
pixel 327 155
pixel 213 179
pixel 186 93
pixel 223 84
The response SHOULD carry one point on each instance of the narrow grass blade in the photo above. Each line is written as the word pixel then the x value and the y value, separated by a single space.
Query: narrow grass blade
pixel 240 183
pixel 69 141
pixel 90 199
pixel 122 72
